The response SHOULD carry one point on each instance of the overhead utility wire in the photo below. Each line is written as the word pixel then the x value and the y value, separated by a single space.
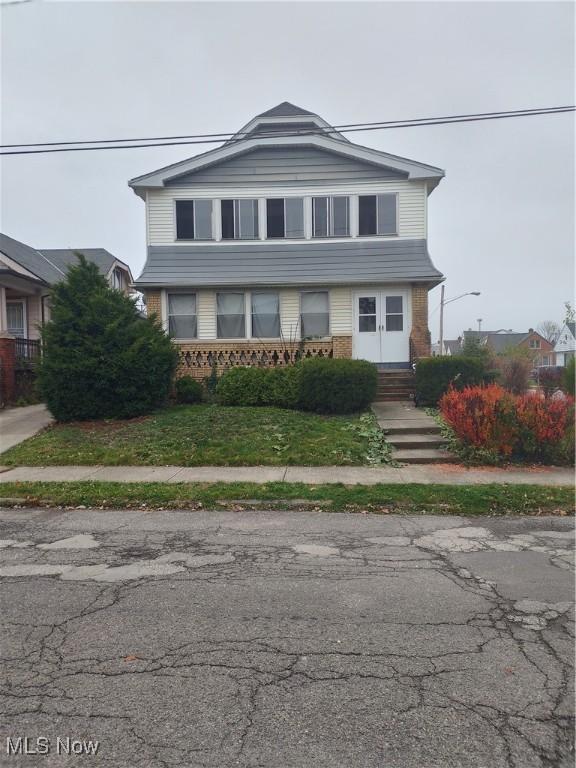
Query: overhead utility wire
pixel 317 131
pixel 332 128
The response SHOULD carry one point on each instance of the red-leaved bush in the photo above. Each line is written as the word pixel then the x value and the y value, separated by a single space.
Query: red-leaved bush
pixel 498 423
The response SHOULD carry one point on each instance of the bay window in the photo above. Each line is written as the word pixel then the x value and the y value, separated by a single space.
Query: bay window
pixel 230 315
pixel 314 314
pixel 377 215
pixel 285 217
pixel 330 217
pixel 265 315
pixel 239 219
pixel 194 220
pixel 182 318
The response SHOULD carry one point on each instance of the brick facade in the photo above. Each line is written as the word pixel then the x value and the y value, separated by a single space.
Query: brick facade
pixel 153 303
pixel 420 335
pixel 342 346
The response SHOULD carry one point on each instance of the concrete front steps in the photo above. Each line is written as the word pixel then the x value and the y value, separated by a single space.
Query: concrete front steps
pixel 395 384
pixel 413 434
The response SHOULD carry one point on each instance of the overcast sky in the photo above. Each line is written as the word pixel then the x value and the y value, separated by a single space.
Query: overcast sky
pixel 501 222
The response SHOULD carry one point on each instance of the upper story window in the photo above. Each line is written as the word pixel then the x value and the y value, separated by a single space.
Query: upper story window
pixel 285 217
pixel 377 215
pixel 534 343
pixel 330 217
pixel 239 219
pixel 194 219
pixel 117 279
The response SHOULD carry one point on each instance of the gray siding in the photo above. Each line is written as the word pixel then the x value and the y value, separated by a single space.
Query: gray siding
pixel 289 264
pixel 286 165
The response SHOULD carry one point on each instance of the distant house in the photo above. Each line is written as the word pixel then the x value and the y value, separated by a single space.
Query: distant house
pixel 501 342
pixel 565 347
pixel 27 276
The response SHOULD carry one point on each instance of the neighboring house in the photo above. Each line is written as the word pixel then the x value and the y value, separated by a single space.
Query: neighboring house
pixel 449 347
pixel 565 347
pixel 290 240
pixel 500 342
pixel 28 274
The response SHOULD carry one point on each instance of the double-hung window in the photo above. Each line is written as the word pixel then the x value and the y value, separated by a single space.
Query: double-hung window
pixel 377 215
pixel 182 318
pixel 265 315
pixel 330 216
pixel 285 217
pixel 230 315
pixel 194 219
pixel 314 314
pixel 239 219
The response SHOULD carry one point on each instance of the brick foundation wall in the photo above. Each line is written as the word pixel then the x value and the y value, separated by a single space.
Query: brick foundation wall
pixel 420 335
pixel 198 358
pixel 153 303
pixel 342 346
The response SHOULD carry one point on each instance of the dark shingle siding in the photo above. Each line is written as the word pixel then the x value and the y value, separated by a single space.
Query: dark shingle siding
pixel 358 262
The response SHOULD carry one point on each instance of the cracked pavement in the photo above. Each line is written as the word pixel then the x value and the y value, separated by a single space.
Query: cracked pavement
pixel 287 639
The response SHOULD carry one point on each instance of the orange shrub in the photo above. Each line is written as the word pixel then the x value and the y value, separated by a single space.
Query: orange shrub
pixel 500 424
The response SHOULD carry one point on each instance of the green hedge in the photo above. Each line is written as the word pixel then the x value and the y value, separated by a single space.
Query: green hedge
pixel 188 390
pixel 337 386
pixel 435 374
pixel 260 386
pixel 322 385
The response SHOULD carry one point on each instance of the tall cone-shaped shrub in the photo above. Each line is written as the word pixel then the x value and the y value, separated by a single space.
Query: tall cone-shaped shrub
pixel 101 358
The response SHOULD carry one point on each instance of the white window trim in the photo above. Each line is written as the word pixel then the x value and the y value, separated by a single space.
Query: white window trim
pixel 248 314
pixel 284 198
pixel 376 195
pixel 315 290
pixel 177 239
pixel 331 199
pixel 258 201
pixel 166 316
pixel 24 313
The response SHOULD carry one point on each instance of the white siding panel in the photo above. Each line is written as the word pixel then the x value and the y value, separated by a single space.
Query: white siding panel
pixel 290 314
pixel 206 314
pixel 160 207
pixel 34 309
pixel 341 311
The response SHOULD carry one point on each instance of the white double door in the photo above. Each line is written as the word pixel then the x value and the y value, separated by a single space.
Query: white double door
pixel 381 326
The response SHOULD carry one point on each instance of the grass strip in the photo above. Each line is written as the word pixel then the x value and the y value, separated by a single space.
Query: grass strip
pixel 493 499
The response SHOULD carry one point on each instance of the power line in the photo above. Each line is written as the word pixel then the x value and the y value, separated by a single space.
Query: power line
pixel 211 138
pixel 296 131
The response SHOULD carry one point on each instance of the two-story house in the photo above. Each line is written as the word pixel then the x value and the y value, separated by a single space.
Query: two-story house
pixel 290 240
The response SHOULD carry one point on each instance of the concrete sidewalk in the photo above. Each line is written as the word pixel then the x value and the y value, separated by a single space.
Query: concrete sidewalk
pixel 18 424
pixel 450 474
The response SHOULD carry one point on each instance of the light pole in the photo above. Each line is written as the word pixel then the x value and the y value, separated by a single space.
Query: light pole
pixel 443 303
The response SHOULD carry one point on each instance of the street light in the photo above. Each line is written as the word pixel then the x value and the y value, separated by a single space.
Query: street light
pixel 443 303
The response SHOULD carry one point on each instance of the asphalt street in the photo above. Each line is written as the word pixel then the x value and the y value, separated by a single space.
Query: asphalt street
pixel 285 640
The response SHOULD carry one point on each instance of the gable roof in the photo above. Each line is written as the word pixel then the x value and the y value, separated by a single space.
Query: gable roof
pixel 284 264
pixel 285 109
pixel 51 265
pixel 30 259
pixel 249 138
pixel 64 258
pixel 502 341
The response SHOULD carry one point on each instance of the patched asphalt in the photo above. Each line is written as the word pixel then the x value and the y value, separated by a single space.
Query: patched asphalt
pixel 287 639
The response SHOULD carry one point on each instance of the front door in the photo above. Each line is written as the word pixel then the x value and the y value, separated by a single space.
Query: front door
pixel 381 326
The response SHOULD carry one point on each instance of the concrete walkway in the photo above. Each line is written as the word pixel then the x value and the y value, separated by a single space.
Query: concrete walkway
pixel 18 424
pixel 450 474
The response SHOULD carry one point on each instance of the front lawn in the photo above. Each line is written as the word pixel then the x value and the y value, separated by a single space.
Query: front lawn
pixel 201 435
pixel 378 499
